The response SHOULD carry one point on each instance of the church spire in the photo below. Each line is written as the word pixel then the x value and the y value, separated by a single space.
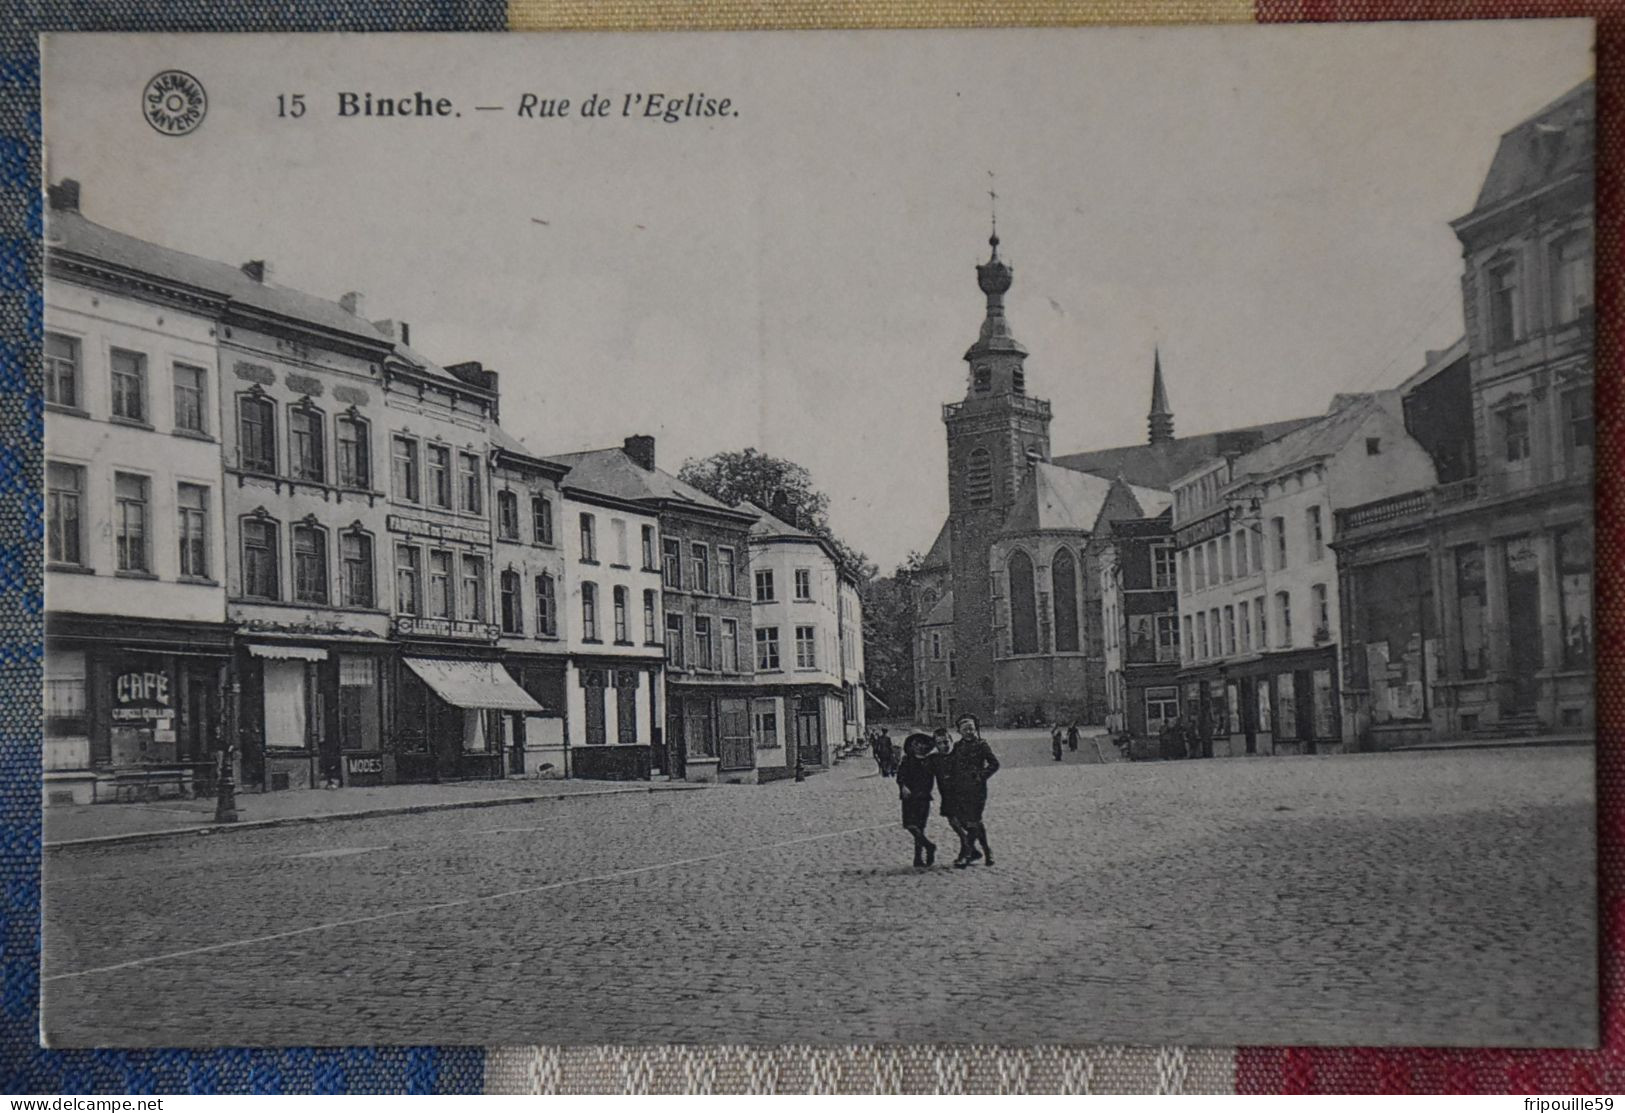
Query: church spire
pixel 995 277
pixel 1161 419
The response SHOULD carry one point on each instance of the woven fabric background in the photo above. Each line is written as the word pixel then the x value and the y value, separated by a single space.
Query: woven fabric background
pixel 24 1068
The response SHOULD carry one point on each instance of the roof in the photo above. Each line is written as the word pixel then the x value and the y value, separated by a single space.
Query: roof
pixel 1436 362
pixel 610 471
pixel 1057 498
pixel 1555 142
pixel 941 552
pixel 1158 465
pixel 769 525
pixel 1319 438
pixel 70 231
pixel 942 614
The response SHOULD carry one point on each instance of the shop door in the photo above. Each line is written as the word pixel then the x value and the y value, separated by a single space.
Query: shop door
pixel 1523 622
pixel 1249 714
pixel 513 724
pixel 1303 698
pixel 737 750
pixel 676 746
pixel 1204 718
pixel 809 731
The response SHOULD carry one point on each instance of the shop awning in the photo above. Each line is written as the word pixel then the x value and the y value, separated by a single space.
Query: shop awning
pixel 482 685
pixel 288 652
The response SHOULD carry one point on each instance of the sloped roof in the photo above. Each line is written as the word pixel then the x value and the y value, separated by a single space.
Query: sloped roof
pixel 69 231
pixel 610 471
pixel 1555 142
pixel 1319 438
pixel 769 525
pixel 941 552
pixel 1436 362
pixel 943 613
pixel 1158 465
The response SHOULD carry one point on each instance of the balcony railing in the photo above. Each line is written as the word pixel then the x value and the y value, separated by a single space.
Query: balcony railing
pixel 1021 403
pixel 1449 496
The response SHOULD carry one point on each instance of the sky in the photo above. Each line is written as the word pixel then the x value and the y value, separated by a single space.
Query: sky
pixel 1269 206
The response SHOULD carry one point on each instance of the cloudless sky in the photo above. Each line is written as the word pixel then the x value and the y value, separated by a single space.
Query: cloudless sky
pixel 1270 205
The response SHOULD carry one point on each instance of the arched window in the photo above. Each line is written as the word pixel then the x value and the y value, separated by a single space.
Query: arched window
pixel 354 451
pixel 307 452
pixel 1023 608
pixel 1063 571
pixel 309 563
pixel 979 477
pixel 256 434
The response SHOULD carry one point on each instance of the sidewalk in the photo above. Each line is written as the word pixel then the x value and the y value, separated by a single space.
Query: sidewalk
pixel 1509 742
pixel 112 823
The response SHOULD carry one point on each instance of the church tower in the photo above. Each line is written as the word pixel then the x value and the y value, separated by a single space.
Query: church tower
pixel 995 435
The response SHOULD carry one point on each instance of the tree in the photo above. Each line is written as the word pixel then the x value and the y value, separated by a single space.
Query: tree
pixel 888 637
pixel 765 480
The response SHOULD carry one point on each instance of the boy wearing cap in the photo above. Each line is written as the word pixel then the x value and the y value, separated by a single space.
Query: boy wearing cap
pixel 968 768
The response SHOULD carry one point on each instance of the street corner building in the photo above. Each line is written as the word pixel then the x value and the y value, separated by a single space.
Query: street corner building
pixel 283 542
pixel 1412 563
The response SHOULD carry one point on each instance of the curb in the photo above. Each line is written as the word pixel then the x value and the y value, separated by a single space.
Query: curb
pixel 1494 744
pixel 373 813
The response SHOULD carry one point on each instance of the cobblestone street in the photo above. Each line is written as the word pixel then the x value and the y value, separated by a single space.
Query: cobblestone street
pixel 1413 899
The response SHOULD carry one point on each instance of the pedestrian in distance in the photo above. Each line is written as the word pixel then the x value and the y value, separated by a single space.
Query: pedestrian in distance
pixel 1055 737
pixel 916 776
pixel 1072 736
pixel 970 765
pixel 888 754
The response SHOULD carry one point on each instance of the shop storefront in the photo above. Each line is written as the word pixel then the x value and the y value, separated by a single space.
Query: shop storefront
pixel 313 713
pixel 454 718
pixel 1285 703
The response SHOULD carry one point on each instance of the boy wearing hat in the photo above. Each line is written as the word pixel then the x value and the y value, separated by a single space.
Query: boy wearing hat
pixel 969 766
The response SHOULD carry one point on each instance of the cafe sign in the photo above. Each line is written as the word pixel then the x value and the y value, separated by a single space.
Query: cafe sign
pixel 141 694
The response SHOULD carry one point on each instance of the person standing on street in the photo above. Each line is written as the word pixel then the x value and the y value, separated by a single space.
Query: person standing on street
pixel 969 766
pixel 1072 736
pixel 1055 741
pixel 916 776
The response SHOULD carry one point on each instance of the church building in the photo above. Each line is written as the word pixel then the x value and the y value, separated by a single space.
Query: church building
pixel 1014 570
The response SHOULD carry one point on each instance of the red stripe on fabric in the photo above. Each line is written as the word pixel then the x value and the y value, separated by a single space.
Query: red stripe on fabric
pixel 1272 1070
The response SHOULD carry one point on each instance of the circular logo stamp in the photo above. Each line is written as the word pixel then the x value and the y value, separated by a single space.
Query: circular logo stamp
pixel 174 102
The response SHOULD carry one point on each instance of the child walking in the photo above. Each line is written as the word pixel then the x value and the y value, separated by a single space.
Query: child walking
pixel 916 776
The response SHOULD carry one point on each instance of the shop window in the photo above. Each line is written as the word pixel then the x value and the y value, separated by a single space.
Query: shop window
pixel 355 568
pixel 131 517
pixel 191 398
pixel 1471 595
pixel 306 452
pixel 62 363
pixel 285 705
pixel 192 529
pixel 360 711
pixel 1325 705
pixel 65 705
pixel 64 514
pixel 309 564
pixel 1574 568
pixel 1064 577
pixel 354 452
pixel 764 716
pixel 1286 707
pixel 1023 604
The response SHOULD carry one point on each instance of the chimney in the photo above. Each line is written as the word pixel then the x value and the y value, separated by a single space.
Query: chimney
pixel 353 303
pixel 395 330
pixel 257 269
pixel 640 449
pixel 64 196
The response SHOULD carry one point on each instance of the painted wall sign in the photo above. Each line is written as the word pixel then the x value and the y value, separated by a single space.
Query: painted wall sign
pixel 411 626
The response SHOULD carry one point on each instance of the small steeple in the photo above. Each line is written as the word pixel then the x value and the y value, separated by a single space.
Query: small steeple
pixel 1161 419
pixel 995 277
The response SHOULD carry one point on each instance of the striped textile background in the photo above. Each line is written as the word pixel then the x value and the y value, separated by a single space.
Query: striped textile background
pixel 24 1068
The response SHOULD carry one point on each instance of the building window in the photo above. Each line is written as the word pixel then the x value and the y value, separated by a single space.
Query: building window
pixel 1256 542
pixel 764 585
pixel 953 664
pixel 306 453
pixel 1577 429
pixel 547 607
pixel 355 452
pixel 1316 533
pixel 508 516
pixel 473 596
pixel 1188 646
pixel 589 612
pixel 1241 553
pixel 700 562
pixel 442 599
pixel 674 640
pixel 1278 534
pixel 936 646
pixel 1574 562
pixel 767 649
pixel 727 572
pixel 649 549
pixel 702 643
pixel 1229 629
pixel 1283 618
pixel 1211 549
pixel 1162 567
pixel 730 646
pixel 473 498
pixel 589 539
pixel 131 510
pixel 439 476
pixel 65 704
pixel 541 519
pixel 617 529
pixel 262 578
pixel 510 605
pixel 404 459
pixel 1321 607
pixel 1263 623
pixel 1201 636
pixel 1571 278
pixel 192 528
pixel 256 434
pixel 1216 635
pixel 355 569
pixel 1245 622
pixel 1198 569
pixel 1064 577
pixel 979 477
pixel 129 385
pixel 765 723
pixel 191 393
pixel 1504 304
pixel 804 584
pixel 1023 604
pixel 1514 422
pixel 1471 594
pixel 806 647
pixel 623 635
pixel 1226 565
pixel 64 514
pixel 1184 572
pixel 671 563
pixel 61 369
pixel 408 570
pixel 1167 637
pixel 649 618
pixel 309 564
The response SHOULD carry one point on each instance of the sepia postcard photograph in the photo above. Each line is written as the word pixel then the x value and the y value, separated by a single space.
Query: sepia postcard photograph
pixel 1021 537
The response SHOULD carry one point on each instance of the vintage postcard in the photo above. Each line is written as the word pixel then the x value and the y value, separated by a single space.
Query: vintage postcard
pixel 1017 537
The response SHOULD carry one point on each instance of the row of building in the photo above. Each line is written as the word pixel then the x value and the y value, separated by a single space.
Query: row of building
pixel 274 525
pixel 1415 562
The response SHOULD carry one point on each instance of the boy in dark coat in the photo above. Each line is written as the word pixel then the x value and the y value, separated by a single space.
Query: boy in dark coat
pixel 969 766
pixel 1072 736
pixel 916 776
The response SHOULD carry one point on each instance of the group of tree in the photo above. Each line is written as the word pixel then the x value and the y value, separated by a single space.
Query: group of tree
pixel 786 490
